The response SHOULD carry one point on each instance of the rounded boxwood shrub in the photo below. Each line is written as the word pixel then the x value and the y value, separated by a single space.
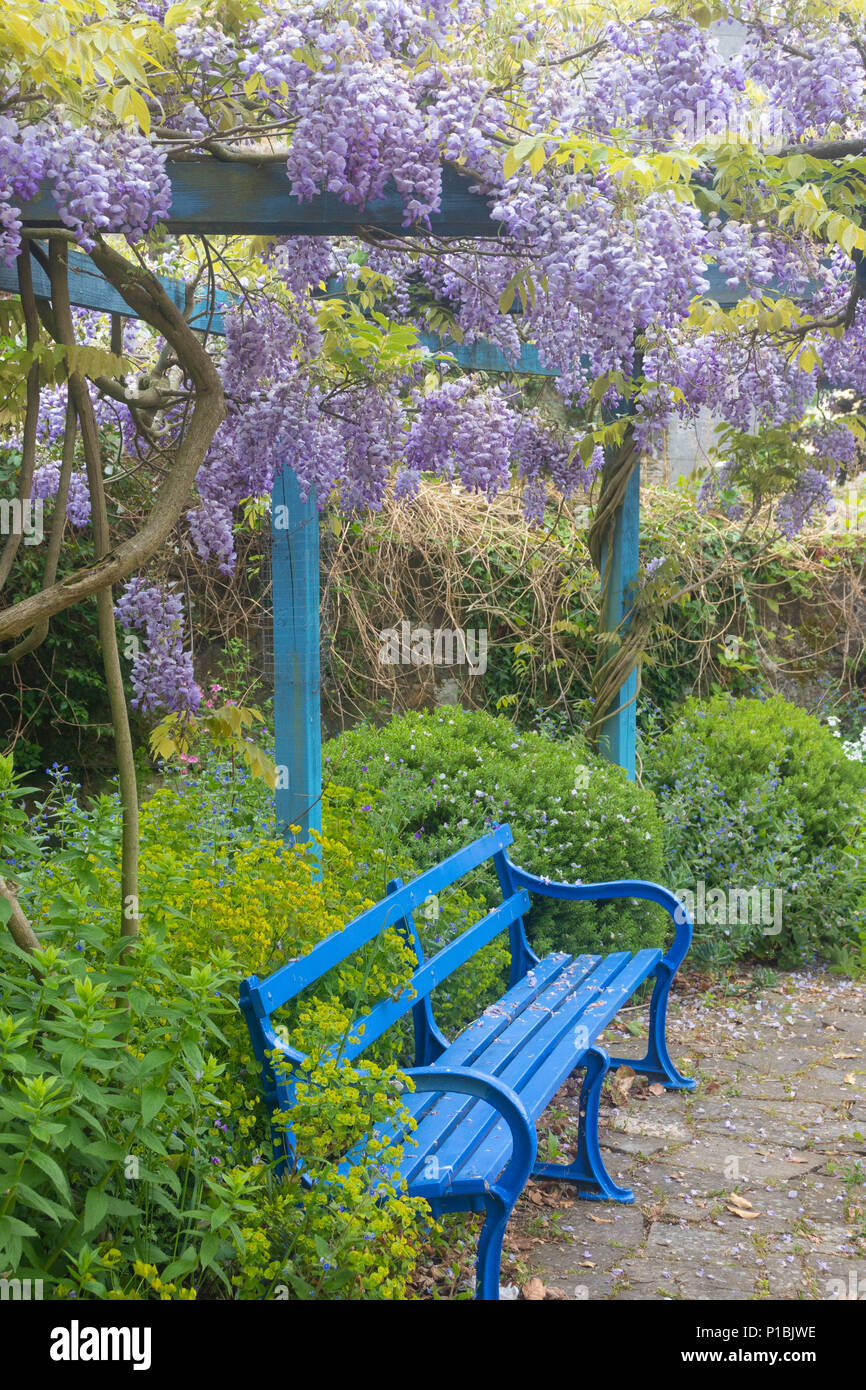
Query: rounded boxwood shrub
pixel 437 780
pixel 758 793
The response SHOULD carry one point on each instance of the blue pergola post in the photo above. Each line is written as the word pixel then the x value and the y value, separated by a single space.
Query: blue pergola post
pixel 618 735
pixel 297 670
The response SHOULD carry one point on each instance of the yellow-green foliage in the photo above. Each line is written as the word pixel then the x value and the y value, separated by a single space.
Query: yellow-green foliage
pixel 262 902
pixel 225 726
pixel 221 897
pixel 360 1231
pixel 260 899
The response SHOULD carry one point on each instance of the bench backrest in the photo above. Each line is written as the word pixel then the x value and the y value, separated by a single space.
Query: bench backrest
pixel 261 999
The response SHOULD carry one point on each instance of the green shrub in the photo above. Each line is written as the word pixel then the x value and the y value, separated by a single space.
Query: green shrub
pixel 758 793
pixel 135 1158
pixel 135 1155
pixel 113 1152
pixel 436 781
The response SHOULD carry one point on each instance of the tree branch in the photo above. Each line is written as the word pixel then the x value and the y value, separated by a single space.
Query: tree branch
pixel 22 933
pixel 31 414
pixel 146 296
pixel 826 149
pixel 36 636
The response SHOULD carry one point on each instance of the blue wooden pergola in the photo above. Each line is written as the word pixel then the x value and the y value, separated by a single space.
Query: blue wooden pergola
pixel 214 198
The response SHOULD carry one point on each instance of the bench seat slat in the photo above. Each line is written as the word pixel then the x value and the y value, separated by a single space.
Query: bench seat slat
pixel 465 1048
pixel 490 1157
pixel 534 1055
pixel 491 1054
pixel 468 1045
pixel 513 1056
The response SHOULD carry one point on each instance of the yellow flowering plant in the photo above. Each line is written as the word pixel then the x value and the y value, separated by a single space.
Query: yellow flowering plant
pixel 358 1233
pixel 138 1161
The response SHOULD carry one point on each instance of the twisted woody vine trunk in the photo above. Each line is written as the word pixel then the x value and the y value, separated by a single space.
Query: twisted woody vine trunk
pixel 149 301
pixel 620 652
pixel 28 619
pixel 22 933
pixel 31 411
pixel 79 396
pixel 36 636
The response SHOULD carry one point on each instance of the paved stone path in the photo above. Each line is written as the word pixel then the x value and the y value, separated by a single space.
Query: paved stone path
pixel 776 1131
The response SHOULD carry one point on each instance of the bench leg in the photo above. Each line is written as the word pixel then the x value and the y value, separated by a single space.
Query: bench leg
pixel 587 1171
pixel 657 1065
pixel 487 1269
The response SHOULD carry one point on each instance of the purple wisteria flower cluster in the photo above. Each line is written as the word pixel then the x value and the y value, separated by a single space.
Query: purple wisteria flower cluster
pixel 162 672
pixel 595 268
pixel 810 494
pixel 816 79
pixel 101 180
pixel 46 483
pixel 713 485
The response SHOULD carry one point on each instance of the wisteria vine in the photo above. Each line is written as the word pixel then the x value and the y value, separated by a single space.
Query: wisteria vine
pixel 600 258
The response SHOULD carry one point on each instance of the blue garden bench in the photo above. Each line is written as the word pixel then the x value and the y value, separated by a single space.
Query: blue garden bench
pixel 477 1099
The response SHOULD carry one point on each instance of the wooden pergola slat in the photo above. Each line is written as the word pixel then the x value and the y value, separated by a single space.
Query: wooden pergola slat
pixel 233 198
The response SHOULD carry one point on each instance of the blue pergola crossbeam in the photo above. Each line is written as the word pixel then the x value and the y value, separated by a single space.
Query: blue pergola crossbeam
pixel 88 289
pixel 230 198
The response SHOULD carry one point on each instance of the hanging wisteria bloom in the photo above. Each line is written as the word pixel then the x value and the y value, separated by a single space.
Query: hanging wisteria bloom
pixel 102 181
pixel 810 495
pixel 162 672
pixel 46 484
pixel 717 481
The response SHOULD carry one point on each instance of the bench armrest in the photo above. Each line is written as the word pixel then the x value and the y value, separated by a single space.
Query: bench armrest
pixel 524 1140
pixel 618 888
